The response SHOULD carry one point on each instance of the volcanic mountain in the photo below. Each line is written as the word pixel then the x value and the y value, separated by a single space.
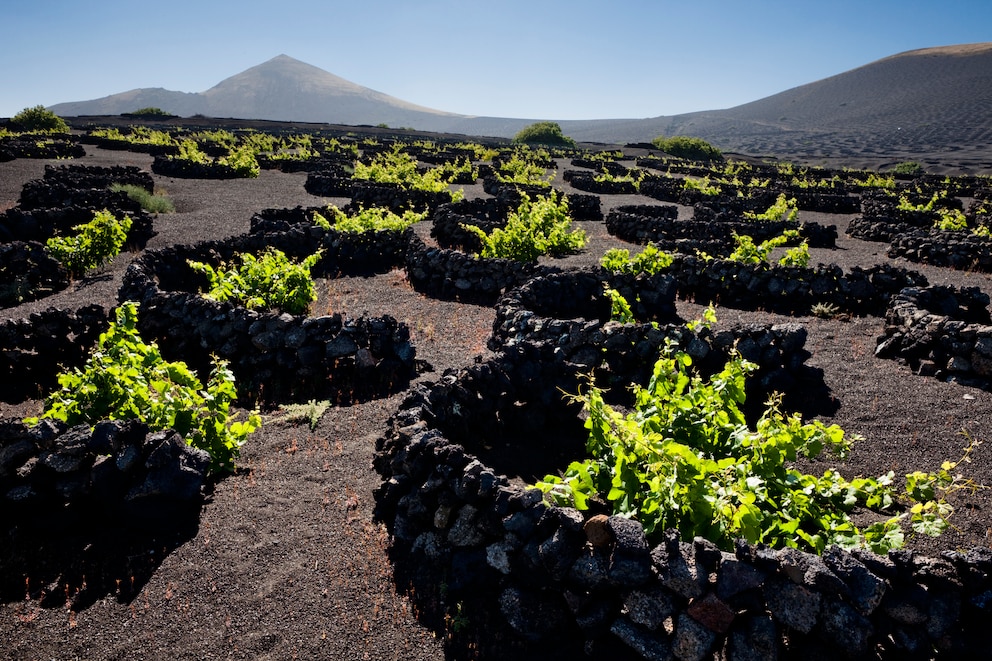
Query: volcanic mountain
pixel 282 88
pixel 933 101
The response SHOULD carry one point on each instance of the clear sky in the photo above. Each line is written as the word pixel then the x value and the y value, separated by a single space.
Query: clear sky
pixel 534 59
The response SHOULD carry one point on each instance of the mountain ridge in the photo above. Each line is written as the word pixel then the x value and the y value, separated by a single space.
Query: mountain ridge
pixel 932 100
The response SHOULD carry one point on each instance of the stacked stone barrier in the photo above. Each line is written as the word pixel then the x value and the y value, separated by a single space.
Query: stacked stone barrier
pixel 587 181
pixel 33 146
pixel 565 318
pixel 28 273
pixel 395 197
pixel 329 183
pixel 790 290
pixel 557 575
pixel 184 168
pixel 957 249
pixel 35 349
pixel 581 207
pixel 56 476
pixel 89 176
pixel 640 229
pixel 940 331
pixel 275 357
pixel 881 220
pixel 454 275
pixel 448 221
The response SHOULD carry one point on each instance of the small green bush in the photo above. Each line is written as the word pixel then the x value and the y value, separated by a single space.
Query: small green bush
pixel 151 112
pixel 685 458
pixel 96 243
pixel 371 219
pixel 39 119
pixel 150 202
pixel 649 261
pixel 543 133
pixel 539 227
pixel 271 281
pixel 693 149
pixel 747 252
pixel 908 167
pixel 782 209
pixel 125 378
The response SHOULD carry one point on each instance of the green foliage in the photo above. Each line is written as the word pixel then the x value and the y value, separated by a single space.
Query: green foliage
pixel 619 307
pixel 150 202
pixel 906 205
pixel 96 243
pixel 397 167
pixel 190 151
pixel 634 177
pixel 951 220
pixel 693 149
pixel 371 219
pixel 221 137
pixel 310 413
pixel 649 261
pixel 271 281
pixel 747 252
pixel 702 185
pixel 151 112
pixel 242 160
pixel 797 256
pixel 875 180
pixel 539 227
pixel 543 133
pixel 908 167
pixel 825 310
pixel 519 170
pixel 685 458
pixel 782 209
pixel 125 378
pixel 39 119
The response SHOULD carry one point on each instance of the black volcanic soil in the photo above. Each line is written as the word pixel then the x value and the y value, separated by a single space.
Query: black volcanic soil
pixel 287 562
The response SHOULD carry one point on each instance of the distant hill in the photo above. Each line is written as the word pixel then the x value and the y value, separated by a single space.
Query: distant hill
pixel 282 88
pixel 933 101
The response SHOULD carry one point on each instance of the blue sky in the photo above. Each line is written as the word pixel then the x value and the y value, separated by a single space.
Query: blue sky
pixel 536 59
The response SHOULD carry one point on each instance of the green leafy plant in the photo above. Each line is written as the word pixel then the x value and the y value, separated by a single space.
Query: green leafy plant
pixel 150 202
pixel 538 227
pixel 127 378
pixel 693 149
pixel 151 112
pixel 38 119
pixel 702 185
pixel 397 167
pixel 370 219
pixel 747 252
pixel 310 413
pixel 908 167
pixel 782 209
pixel 271 281
pixel 685 458
pixel 825 310
pixel 650 260
pixel 619 307
pixel 95 244
pixel 519 170
pixel 543 133
pixel 242 160
pixel 951 220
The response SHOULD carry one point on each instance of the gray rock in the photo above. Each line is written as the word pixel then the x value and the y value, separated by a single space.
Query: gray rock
pixel 793 605
pixel 691 641
pixel 648 608
pixel 653 647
